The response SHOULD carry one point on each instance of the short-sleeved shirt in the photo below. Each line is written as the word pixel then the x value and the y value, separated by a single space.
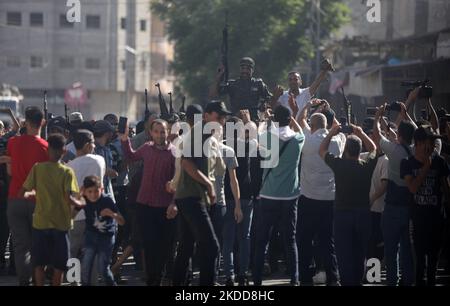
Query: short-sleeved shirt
pixel 95 222
pixel 429 194
pixel 105 152
pixel 303 97
pixel 87 165
pixel 353 179
pixel 52 181
pixel 229 158
pixel 316 178
pixel 210 164
pixel 24 151
pixel 397 193
pixel 379 175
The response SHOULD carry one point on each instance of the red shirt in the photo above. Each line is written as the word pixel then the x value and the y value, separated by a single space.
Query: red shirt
pixel 159 168
pixel 24 151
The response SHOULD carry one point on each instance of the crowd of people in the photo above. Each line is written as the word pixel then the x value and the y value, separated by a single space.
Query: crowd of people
pixel 335 196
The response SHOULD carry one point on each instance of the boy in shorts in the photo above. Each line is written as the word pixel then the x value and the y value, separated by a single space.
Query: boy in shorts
pixel 56 189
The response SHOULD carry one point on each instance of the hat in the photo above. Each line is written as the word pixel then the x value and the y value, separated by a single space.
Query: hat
pixel 193 109
pixel 103 126
pixel 75 117
pixel 247 61
pixel 59 122
pixel 218 107
pixel 424 133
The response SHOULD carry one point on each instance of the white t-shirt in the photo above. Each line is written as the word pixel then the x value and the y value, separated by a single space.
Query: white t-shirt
pixel 303 98
pixel 84 166
pixel 316 178
pixel 380 173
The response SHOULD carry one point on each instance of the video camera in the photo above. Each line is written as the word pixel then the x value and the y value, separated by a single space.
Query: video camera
pixel 425 91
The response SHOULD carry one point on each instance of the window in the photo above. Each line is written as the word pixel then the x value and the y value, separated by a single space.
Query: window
pixel 93 22
pixel 66 62
pixel 123 64
pixel 14 18
pixel 12 61
pixel 36 19
pixel 36 62
pixel 93 63
pixel 123 23
pixel 64 23
pixel 143 25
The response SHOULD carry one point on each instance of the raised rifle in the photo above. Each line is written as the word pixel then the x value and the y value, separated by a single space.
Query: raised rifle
pixel 162 102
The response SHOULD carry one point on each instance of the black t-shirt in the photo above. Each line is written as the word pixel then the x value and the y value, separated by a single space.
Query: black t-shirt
pixel 95 222
pixel 352 179
pixel 429 194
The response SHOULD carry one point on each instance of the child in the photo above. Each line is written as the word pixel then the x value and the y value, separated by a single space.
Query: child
pixel 101 222
pixel 55 186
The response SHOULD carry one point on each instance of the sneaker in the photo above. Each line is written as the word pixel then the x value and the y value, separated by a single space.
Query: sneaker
pixel 320 278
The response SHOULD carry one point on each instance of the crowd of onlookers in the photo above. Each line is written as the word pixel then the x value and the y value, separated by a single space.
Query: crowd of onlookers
pixel 335 195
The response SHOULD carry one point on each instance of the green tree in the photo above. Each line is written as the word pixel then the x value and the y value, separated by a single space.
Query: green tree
pixel 273 32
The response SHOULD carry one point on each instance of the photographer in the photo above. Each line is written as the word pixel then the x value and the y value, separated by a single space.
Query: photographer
pixel 396 214
pixel 352 218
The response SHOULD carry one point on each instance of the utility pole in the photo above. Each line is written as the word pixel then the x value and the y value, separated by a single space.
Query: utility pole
pixel 314 32
pixel 317 36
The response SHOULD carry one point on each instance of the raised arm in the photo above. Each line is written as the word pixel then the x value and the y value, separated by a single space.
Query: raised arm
pixel 326 142
pixel 214 89
pixel 326 66
pixel 434 118
pixel 368 143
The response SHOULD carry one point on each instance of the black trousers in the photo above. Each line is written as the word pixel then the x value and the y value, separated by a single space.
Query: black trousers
pixel 157 233
pixel 195 226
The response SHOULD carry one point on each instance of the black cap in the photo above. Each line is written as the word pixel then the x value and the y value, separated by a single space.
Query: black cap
pixel 103 126
pixel 59 122
pixel 193 109
pixel 218 107
pixel 247 61
pixel 424 133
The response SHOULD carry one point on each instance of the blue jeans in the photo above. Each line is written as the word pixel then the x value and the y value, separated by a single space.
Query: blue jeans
pixel 351 236
pixel 395 227
pixel 243 234
pixel 271 212
pixel 102 246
